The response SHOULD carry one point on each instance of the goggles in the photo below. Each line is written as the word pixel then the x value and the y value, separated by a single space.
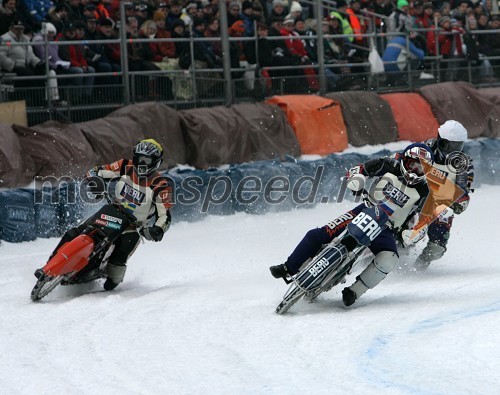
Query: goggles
pixel 447 146
pixel 144 160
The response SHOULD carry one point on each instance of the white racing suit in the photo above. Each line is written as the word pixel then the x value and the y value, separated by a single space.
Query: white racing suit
pixel 148 200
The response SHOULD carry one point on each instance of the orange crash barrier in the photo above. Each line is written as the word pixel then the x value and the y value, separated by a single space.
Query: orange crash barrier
pixel 317 122
pixel 413 115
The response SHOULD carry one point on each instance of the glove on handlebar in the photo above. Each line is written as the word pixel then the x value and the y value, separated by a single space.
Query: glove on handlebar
pixel 460 205
pixel 356 180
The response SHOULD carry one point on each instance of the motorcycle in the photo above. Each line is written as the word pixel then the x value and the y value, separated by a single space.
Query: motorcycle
pixel 84 258
pixel 335 260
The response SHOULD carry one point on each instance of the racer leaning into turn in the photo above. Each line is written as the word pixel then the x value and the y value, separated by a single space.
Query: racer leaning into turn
pixel 142 192
pixel 400 189
pixel 456 166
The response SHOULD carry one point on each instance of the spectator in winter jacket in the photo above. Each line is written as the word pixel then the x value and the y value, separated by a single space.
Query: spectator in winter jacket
pixel 247 17
pixel 213 30
pixel 166 48
pixel 203 50
pixel 33 12
pixel 110 53
pixel 58 16
pixel 396 51
pixel 174 13
pixel 20 59
pixel 278 10
pixel 297 48
pixel 358 25
pixel 150 50
pixel 449 45
pixel 346 26
pixel 56 64
pixel 16 58
pixel 399 20
pixel 75 10
pixel 136 61
pixel 460 11
pixel 7 15
pixel 79 66
pixel 181 47
pixel 233 12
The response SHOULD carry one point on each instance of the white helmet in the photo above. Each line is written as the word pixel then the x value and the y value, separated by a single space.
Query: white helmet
pixel 451 137
pixel 50 28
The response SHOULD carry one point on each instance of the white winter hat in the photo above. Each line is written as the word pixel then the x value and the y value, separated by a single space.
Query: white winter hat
pixel 296 7
pixel 50 28
pixel 452 131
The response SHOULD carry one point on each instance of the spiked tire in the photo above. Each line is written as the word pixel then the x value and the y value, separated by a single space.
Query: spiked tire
pixel 44 286
pixel 292 296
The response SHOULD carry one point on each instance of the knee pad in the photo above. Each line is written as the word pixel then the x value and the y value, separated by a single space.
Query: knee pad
pixel 115 272
pixel 376 271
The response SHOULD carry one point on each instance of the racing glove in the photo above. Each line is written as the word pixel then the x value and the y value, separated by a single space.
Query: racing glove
pixel 356 180
pixel 153 233
pixel 460 205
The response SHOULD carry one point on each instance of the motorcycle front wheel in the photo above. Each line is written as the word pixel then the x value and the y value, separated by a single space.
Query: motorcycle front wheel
pixel 44 286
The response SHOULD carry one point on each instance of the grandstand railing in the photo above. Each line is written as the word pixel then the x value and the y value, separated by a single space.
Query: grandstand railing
pixel 201 86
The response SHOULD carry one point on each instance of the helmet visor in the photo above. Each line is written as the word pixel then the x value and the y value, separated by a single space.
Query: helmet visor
pixel 447 146
pixel 144 160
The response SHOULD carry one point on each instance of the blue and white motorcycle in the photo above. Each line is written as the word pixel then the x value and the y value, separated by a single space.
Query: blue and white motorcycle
pixel 335 260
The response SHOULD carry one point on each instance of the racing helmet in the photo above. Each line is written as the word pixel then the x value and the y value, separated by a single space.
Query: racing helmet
pixel 411 162
pixel 451 137
pixel 147 157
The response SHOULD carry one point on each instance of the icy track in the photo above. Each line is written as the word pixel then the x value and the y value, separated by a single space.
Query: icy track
pixel 195 315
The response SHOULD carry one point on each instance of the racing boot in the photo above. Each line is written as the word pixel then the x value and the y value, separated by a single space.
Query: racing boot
pixel 38 273
pixel 279 271
pixel 431 252
pixel 115 273
pixel 348 296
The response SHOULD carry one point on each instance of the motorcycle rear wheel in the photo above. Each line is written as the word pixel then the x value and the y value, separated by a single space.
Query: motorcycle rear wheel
pixel 44 286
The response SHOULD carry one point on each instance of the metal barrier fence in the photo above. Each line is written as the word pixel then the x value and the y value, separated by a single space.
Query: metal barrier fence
pixel 77 100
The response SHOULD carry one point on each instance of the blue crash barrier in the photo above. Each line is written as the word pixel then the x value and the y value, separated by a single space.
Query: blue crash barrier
pixel 487 169
pixel 47 213
pixel 259 187
pixel 17 215
pixel 198 193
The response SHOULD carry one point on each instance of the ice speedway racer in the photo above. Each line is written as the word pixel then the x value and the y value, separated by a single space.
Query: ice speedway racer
pixel 138 202
pixel 327 255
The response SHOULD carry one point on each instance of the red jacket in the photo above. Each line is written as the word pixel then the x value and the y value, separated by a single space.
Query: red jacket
pixel 445 42
pixel 296 47
pixel 77 58
pixel 71 53
pixel 167 48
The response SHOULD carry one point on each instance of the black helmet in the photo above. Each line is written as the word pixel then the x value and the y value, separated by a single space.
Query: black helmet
pixel 411 162
pixel 147 157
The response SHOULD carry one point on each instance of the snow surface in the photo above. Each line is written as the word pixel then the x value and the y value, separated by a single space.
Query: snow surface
pixel 195 315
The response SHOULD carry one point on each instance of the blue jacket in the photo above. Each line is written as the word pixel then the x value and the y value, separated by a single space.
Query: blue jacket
pixel 396 52
pixel 38 8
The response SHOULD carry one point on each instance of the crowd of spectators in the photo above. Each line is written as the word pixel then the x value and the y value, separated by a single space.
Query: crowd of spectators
pixel 285 32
